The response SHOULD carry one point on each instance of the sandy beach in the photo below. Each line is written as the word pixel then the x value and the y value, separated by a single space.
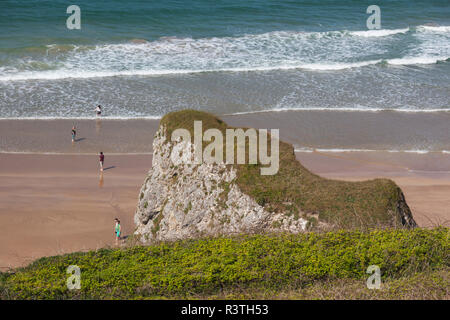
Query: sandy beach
pixel 92 94
pixel 55 204
pixel 53 199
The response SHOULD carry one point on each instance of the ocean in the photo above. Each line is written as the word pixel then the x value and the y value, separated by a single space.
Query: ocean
pixel 142 59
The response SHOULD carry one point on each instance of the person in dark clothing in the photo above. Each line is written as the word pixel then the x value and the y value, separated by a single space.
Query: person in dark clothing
pixel 74 134
pixel 102 160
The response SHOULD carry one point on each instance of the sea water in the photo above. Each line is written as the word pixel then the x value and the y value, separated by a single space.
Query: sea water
pixel 142 59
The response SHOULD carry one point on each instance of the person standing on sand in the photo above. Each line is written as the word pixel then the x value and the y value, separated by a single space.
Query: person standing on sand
pixel 117 230
pixel 74 134
pixel 102 160
pixel 98 111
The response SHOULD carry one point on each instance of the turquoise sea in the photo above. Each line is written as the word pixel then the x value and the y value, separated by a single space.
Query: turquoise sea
pixel 141 59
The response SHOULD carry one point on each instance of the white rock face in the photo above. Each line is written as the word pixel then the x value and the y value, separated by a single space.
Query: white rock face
pixel 180 200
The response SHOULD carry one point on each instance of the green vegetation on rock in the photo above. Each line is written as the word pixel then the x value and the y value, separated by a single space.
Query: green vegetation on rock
pixel 294 189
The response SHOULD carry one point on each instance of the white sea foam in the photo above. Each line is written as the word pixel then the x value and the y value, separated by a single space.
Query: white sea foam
pixel 443 29
pixel 343 150
pixel 298 150
pixel 413 151
pixel 328 109
pixel 279 50
pixel 332 150
pixel 83 118
pixel 71 154
pixel 417 60
pixel 337 66
pixel 60 74
pixel 327 66
pixel 378 33
pixel 276 110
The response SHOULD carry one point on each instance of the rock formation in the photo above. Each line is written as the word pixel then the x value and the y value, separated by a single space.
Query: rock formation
pixel 184 200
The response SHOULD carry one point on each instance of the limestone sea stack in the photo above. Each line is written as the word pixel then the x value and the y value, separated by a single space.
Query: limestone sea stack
pixel 183 199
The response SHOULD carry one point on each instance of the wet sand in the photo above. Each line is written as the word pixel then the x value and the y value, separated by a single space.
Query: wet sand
pixel 54 136
pixel 385 130
pixel 58 203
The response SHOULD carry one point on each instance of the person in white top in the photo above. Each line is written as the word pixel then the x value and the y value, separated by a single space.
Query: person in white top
pixel 98 110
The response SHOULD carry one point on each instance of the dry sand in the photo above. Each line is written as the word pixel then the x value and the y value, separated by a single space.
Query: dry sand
pixel 427 192
pixel 54 204
pixel 57 203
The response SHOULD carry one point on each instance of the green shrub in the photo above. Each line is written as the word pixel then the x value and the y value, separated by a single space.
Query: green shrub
pixel 210 266
pixel 342 204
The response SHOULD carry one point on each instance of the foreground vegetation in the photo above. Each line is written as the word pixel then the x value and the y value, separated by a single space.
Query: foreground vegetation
pixel 296 191
pixel 414 264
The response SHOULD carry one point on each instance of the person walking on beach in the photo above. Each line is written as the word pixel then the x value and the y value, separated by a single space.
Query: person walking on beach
pixel 74 134
pixel 117 230
pixel 102 160
pixel 98 111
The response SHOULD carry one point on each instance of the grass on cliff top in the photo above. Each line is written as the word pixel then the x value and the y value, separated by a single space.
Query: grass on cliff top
pixel 295 189
pixel 414 264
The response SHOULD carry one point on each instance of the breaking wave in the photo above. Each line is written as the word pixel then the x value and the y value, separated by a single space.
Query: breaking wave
pixel 278 50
